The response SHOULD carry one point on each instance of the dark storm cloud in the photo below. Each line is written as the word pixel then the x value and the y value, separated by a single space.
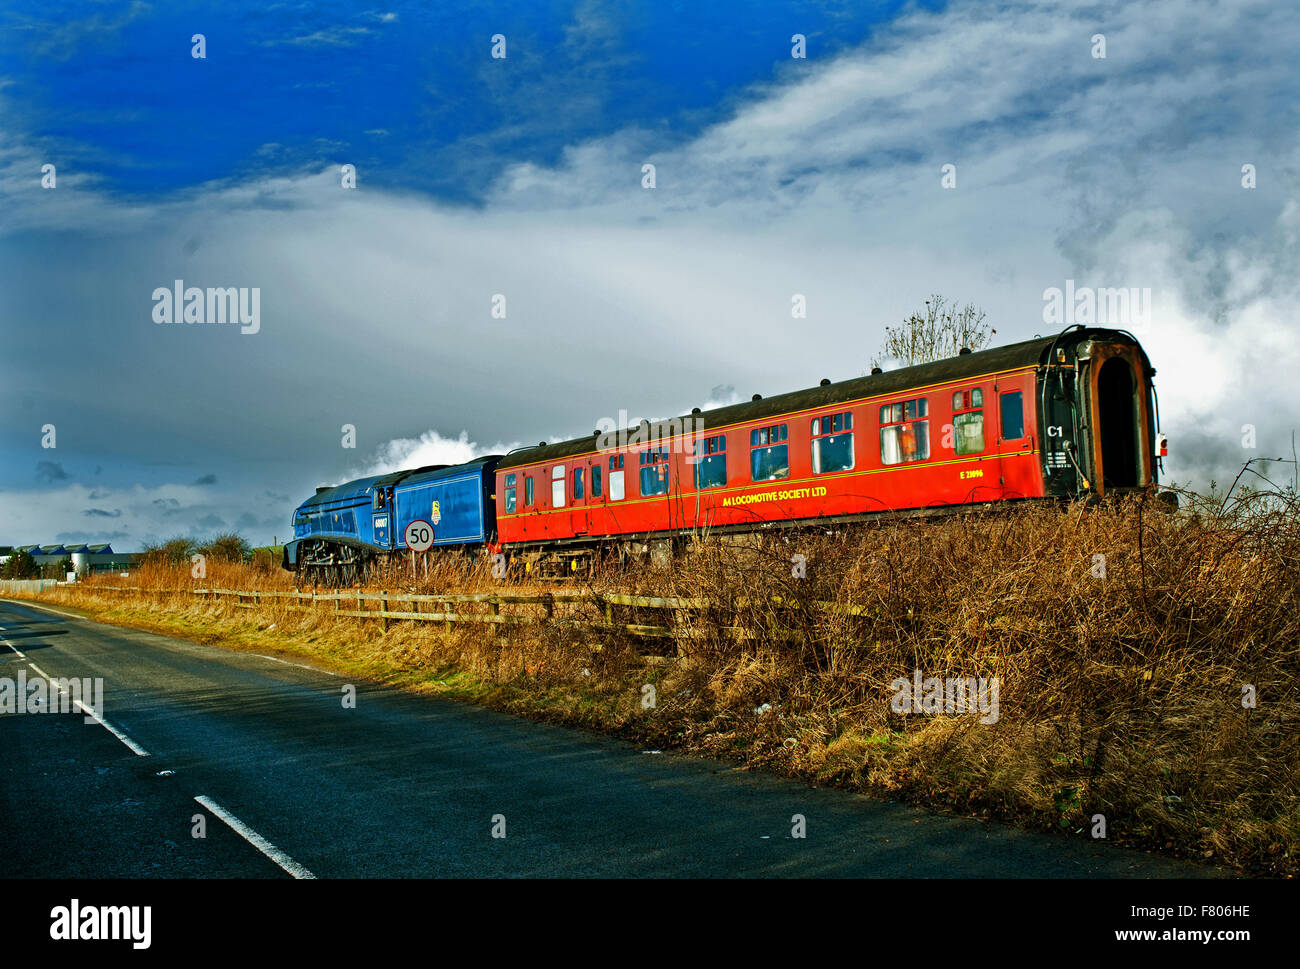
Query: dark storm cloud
pixel 101 513
pixel 207 479
pixel 50 471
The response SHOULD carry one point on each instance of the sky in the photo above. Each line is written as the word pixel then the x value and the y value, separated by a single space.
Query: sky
pixel 486 183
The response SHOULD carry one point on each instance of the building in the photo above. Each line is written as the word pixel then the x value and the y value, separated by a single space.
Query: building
pixel 86 559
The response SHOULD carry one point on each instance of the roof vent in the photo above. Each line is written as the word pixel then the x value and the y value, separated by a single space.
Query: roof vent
pixel 825 382
pixel 757 397
pixel 541 444
pixel 876 370
pixel 963 351
pixel 695 410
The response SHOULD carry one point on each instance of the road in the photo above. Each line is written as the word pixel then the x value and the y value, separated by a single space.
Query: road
pixel 296 785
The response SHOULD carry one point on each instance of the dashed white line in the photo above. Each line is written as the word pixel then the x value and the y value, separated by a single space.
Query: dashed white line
pixel 255 839
pixel 140 751
pixel 135 748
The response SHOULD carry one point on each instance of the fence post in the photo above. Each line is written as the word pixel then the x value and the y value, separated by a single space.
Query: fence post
pixel 383 608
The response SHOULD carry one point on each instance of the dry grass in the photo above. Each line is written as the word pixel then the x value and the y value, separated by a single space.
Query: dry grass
pixel 1119 696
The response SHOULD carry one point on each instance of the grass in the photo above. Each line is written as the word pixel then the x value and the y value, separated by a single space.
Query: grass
pixel 1120 696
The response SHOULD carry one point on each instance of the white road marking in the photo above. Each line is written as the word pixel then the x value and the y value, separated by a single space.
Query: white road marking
pixel 255 839
pixel 135 748
pixel 300 666
pixel 140 751
pixel 13 647
pixel 57 612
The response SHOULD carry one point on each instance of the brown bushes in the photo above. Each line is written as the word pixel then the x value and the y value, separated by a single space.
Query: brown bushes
pixel 1155 687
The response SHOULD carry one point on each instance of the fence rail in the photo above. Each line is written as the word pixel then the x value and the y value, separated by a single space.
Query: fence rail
pixel 19 586
pixel 451 608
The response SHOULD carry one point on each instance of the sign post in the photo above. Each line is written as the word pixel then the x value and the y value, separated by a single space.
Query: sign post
pixel 418 538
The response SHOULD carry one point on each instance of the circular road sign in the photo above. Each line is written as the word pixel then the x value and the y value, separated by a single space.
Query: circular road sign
pixel 418 536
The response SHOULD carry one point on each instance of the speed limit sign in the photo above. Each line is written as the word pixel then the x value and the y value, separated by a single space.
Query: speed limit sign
pixel 418 536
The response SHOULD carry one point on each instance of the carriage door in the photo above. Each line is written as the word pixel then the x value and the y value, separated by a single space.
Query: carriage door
pixel 1014 440
pixel 580 490
pixel 596 493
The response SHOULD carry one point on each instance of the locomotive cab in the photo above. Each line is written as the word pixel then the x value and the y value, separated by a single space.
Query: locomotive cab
pixel 1099 415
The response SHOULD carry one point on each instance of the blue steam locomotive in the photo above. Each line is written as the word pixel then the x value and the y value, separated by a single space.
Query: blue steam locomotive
pixel 338 531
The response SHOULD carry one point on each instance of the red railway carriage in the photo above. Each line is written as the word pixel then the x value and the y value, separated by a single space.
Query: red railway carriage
pixel 1049 417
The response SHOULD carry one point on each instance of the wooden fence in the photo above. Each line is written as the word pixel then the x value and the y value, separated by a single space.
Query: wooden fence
pixel 487 608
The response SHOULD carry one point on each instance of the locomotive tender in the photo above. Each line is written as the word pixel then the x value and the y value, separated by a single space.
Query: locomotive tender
pixel 1052 417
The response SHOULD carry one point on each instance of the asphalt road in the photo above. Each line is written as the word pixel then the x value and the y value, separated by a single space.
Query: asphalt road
pixel 409 786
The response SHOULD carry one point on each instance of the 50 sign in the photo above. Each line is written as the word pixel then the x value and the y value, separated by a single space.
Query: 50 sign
pixel 418 536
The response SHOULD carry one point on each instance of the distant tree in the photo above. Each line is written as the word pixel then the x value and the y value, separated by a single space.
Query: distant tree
pixel 937 332
pixel 229 547
pixel 20 565
pixel 174 551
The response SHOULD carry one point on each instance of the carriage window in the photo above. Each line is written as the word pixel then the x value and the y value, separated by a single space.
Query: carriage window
pixel 577 484
pixel 595 481
pixel 510 493
pixel 379 498
pixel 528 490
pixel 968 421
pixel 769 454
pixel 654 472
pixel 904 432
pixel 1013 416
pixel 832 443
pixel 557 486
pixel 616 478
pixel 711 462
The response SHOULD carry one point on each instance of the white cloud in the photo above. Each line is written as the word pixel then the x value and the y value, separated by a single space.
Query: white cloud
pixel 428 449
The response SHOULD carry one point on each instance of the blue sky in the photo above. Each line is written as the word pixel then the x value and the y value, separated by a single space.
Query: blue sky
pixel 404 88
pixel 522 177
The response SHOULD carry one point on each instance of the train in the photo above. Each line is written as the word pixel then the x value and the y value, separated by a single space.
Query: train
pixel 1050 418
